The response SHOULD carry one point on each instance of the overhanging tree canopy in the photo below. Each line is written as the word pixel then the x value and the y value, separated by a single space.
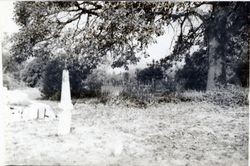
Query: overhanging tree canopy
pixel 95 29
pixel 91 30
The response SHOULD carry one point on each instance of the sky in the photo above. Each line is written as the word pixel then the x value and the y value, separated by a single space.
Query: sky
pixel 6 14
pixel 156 51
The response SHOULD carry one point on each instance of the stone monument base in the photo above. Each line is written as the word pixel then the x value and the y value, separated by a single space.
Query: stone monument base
pixel 64 122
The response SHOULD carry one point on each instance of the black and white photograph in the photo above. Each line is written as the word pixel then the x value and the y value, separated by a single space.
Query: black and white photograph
pixel 124 83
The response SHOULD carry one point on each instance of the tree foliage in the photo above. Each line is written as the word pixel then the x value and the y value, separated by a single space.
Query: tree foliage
pixel 8 64
pixel 224 35
pixel 52 78
pixel 150 74
pixel 32 72
pixel 95 29
pixel 124 30
pixel 194 73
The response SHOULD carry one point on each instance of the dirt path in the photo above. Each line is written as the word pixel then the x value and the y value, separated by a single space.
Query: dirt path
pixel 168 134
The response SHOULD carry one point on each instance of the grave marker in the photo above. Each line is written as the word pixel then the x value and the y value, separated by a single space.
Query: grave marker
pixel 66 105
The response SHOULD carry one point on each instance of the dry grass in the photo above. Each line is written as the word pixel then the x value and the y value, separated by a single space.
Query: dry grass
pixel 166 134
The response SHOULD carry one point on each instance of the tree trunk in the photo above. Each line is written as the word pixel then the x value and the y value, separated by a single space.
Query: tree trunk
pixel 216 49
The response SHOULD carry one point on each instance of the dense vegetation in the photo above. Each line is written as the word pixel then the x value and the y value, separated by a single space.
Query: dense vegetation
pixel 123 31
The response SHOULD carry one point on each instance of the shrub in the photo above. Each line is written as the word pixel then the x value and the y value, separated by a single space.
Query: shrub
pixel 123 99
pixel 130 95
pixel 11 82
pixel 231 96
pixel 149 74
pixel 194 73
pixel 242 71
pixel 135 100
pixel 93 84
pixel 32 72
pixel 52 78
pixel 104 97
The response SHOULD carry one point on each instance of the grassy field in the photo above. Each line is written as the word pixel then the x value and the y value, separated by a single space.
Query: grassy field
pixel 166 134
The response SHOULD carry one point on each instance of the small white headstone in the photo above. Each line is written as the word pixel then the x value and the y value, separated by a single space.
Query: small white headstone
pixel 38 111
pixel 66 105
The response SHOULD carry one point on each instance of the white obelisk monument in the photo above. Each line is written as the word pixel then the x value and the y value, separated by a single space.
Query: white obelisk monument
pixel 66 105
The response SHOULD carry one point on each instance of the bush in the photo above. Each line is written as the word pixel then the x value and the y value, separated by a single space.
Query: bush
pixel 242 71
pixel 135 100
pixel 231 96
pixel 52 79
pixel 32 72
pixel 123 99
pixel 137 95
pixel 104 97
pixel 193 75
pixel 149 74
pixel 11 82
pixel 93 84
pixel 130 95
